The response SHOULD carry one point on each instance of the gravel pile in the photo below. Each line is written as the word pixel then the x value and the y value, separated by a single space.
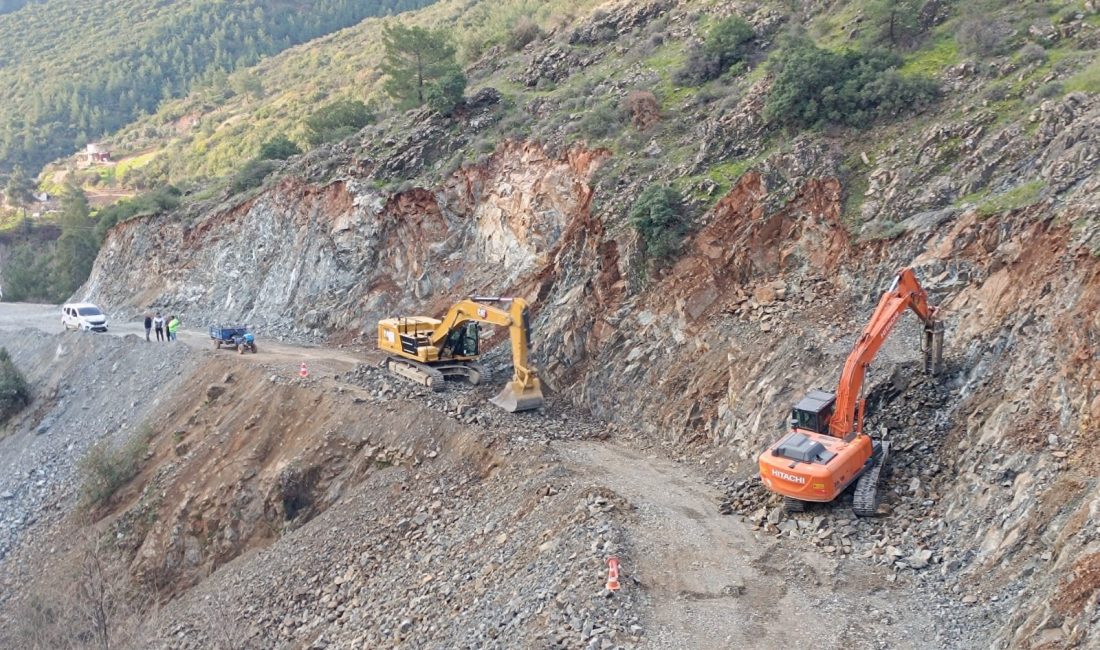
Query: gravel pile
pixel 86 389
pixel 406 561
pixel 555 420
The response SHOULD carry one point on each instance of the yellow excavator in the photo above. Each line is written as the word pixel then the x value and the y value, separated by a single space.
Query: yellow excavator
pixel 430 351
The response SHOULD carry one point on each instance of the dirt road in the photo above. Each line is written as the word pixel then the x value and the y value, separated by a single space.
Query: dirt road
pixel 714 583
pixel 47 318
pixel 709 581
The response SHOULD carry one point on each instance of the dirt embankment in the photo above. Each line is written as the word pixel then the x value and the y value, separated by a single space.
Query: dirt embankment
pixel 354 510
pixel 705 358
pixel 271 510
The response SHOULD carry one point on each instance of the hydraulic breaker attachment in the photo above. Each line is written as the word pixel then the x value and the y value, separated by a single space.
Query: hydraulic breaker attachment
pixel 933 347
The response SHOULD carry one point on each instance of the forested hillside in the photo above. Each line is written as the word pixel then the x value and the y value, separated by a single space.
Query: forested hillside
pixel 74 71
pixel 209 135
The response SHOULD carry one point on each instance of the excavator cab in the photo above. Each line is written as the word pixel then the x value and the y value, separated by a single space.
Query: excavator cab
pixel 462 341
pixel 812 413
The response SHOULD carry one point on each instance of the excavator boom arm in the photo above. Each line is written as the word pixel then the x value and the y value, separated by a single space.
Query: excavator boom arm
pixel 524 391
pixel 905 293
pixel 470 310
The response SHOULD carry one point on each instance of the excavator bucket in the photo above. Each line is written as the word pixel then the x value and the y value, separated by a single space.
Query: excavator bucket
pixel 515 397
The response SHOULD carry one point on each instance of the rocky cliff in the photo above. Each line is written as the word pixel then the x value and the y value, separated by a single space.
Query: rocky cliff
pixel 704 355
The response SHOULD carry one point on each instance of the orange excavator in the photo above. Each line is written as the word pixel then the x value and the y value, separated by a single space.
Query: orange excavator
pixel 826 448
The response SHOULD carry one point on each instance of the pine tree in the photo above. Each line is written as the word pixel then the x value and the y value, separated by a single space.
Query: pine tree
pixel 76 248
pixel 421 65
pixel 19 188
pixel 896 22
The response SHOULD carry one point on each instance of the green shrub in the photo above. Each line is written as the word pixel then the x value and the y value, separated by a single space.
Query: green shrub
pixel 336 121
pixel 728 39
pixel 524 31
pixel 1031 53
pixel 14 393
pixel 446 93
pixel 600 122
pixel 164 199
pixel 998 92
pixel 104 470
pixel 279 148
pixel 251 175
pixel 981 35
pixel 815 87
pixel 726 45
pixel 1050 90
pixel 658 216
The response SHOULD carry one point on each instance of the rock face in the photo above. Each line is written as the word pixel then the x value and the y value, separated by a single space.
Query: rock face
pixel 349 252
pixel 707 355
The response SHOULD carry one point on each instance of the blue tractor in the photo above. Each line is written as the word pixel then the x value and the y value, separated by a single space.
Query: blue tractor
pixel 239 338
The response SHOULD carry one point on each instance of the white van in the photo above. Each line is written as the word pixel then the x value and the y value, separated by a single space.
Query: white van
pixel 83 316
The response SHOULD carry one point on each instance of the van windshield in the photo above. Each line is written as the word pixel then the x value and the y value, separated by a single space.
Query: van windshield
pixel 89 311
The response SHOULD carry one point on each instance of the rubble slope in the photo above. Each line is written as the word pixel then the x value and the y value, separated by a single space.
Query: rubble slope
pixel 779 272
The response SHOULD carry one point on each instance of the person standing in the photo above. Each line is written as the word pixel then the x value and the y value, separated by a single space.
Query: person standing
pixel 158 325
pixel 173 327
pixel 148 326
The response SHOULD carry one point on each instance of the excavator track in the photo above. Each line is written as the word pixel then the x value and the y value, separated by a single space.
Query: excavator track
pixel 417 372
pixel 793 505
pixel 435 376
pixel 865 498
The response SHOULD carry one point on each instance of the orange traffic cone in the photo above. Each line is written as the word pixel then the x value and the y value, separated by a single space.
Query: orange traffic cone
pixel 302 372
pixel 612 573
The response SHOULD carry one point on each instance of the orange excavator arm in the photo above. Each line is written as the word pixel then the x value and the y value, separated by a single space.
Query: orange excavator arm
pixel 905 293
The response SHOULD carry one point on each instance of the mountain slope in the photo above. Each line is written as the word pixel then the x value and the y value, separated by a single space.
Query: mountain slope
pixel 695 263
pixel 74 71
pixel 990 193
pixel 209 135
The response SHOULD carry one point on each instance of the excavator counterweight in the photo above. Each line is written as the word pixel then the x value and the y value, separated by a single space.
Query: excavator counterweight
pixel 826 450
pixel 430 351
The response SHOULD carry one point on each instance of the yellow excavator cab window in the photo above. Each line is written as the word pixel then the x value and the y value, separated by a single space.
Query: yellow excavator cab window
pixel 462 341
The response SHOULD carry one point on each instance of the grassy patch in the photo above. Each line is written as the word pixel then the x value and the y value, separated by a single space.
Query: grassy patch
pixel 1018 197
pixel 104 470
pixel 854 195
pixel 669 58
pixel 931 61
pixel 829 30
pixel 883 230
pixel 1087 80
pixel 666 59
